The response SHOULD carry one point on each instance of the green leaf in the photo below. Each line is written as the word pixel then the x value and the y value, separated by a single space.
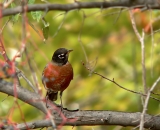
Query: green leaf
pixel 45 23
pixel 13 5
pixel 14 18
pixel 45 28
pixel 45 32
pixel 31 1
pixel 36 15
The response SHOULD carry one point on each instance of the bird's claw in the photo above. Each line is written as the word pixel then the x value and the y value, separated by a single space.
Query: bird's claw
pixel 70 110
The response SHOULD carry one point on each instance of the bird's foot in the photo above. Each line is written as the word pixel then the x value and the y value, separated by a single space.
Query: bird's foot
pixel 70 110
pixel 62 110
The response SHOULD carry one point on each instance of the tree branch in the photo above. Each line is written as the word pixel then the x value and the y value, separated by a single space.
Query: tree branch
pixel 78 118
pixel 90 118
pixel 22 94
pixel 146 103
pixel 149 4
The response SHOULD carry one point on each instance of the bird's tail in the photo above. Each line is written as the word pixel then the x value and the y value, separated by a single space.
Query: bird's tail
pixel 52 96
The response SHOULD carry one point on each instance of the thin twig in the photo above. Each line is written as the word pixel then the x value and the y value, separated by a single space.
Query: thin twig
pixel 151 24
pixel 155 93
pixel 146 103
pixel 5 25
pixel 5 98
pixel 143 62
pixel 134 25
pixel 79 36
pixel 4 53
pixel 59 27
pixel 152 45
pixel 141 39
pixel 58 15
pixel 112 13
pixel 32 71
pixel 120 12
pixel 36 30
pixel 148 120
pixel 113 81
pixel 27 80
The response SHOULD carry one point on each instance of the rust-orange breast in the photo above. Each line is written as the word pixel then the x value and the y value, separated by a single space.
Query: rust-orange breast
pixel 57 78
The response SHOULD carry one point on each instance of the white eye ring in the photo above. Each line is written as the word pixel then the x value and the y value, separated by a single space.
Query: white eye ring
pixel 61 56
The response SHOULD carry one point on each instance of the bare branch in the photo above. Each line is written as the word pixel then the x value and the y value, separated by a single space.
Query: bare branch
pixel 143 62
pixel 84 5
pixel 33 72
pixel 23 94
pixel 59 27
pixel 146 103
pixel 77 118
pixel 155 93
pixel 20 73
pixel 152 40
pixel 79 36
pixel 90 118
pixel 26 96
pixel 113 81
pixel 5 25
pixel 141 39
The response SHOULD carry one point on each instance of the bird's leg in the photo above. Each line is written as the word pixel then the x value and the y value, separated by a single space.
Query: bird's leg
pixel 61 92
pixel 47 99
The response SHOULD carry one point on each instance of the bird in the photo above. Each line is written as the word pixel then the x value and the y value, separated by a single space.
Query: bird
pixel 57 74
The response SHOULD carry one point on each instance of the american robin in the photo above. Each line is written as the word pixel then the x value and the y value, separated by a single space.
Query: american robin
pixel 57 74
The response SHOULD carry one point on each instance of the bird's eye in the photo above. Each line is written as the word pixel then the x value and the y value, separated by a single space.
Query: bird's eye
pixel 61 56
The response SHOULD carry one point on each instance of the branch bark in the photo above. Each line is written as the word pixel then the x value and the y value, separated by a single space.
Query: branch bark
pixel 91 118
pixel 23 94
pixel 145 4
pixel 78 118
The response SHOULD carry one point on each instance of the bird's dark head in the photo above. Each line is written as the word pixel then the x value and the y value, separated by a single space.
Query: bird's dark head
pixel 60 56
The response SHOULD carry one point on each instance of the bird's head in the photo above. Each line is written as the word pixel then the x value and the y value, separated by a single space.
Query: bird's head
pixel 60 56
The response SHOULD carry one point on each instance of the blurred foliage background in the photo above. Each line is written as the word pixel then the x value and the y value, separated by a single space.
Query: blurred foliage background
pixel 112 49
